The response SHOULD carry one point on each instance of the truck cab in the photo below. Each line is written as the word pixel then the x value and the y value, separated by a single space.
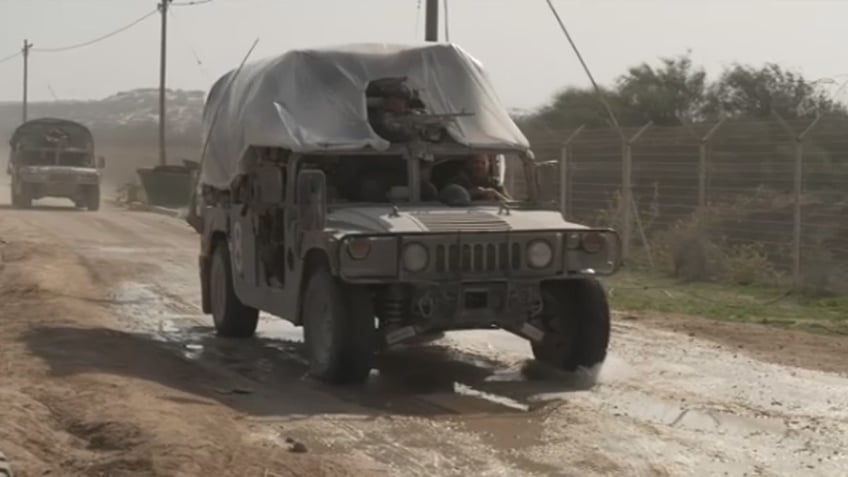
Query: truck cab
pixel 52 157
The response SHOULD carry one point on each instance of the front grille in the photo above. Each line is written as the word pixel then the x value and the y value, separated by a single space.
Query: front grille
pixel 477 258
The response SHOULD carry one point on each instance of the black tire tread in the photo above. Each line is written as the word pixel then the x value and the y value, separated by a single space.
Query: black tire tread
pixel 355 335
pixel 586 315
pixel 22 200
pixel 92 198
pixel 238 320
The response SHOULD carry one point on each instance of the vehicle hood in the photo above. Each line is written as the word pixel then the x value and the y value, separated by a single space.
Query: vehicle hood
pixel 383 219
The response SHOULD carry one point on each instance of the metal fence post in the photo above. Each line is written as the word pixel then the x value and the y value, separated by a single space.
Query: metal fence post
pixel 627 189
pixel 564 174
pixel 703 157
pixel 798 179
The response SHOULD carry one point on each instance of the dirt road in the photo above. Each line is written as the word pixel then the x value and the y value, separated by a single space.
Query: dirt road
pixel 110 369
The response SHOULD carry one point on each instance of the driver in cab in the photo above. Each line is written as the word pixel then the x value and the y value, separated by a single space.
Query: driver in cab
pixel 477 179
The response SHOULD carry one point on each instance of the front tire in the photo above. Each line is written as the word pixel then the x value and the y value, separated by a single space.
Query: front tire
pixel 576 319
pixel 232 318
pixel 23 198
pixel 92 198
pixel 338 329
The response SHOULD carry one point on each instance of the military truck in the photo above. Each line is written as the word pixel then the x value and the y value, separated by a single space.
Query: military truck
pixel 335 192
pixel 52 157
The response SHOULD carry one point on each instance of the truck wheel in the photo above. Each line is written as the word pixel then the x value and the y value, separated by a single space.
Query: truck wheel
pixel 233 319
pixel 576 318
pixel 23 199
pixel 338 329
pixel 92 198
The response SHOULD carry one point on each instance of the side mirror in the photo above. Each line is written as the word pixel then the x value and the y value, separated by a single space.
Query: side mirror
pixel 101 162
pixel 500 168
pixel 312 199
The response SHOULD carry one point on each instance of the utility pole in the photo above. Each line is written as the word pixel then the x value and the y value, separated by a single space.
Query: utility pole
pixel 163 9
pixel 432 27
pixel 27 46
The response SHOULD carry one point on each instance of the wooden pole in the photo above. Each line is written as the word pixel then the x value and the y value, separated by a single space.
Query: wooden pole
pixel 432 27
pixel 163 9
pixel 25 103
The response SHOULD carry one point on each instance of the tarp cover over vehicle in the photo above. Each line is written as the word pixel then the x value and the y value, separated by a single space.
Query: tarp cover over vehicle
pixel 314 100
pixel 50 133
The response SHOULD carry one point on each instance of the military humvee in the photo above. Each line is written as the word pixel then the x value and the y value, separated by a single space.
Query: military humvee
pixel 335 193
pixel 52 157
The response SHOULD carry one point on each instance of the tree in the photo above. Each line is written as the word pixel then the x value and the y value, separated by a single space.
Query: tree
pixel 672 92
pixel 751 92
pixel 665 94
pixel 676 90
pixel 574 107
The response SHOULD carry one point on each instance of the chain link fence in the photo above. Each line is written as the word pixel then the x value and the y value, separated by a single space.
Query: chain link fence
pixel 739 201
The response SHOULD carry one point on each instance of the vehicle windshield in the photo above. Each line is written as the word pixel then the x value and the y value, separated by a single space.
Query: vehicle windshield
pixel 52 157
pixel 454 180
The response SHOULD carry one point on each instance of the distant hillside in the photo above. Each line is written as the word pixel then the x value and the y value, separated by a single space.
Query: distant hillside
pixel 127 118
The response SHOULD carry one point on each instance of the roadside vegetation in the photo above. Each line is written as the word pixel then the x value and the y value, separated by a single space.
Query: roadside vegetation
pixel 641 292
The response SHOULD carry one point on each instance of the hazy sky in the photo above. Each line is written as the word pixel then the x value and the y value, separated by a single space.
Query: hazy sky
pixel 517 40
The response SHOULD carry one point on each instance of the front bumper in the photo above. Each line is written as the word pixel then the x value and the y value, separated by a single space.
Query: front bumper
pixel 474 305
pixel 466 306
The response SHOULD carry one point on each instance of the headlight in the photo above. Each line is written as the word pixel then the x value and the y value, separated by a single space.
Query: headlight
pixel 358 248
pixel 539 254
pixel 415 257
pixel 593 242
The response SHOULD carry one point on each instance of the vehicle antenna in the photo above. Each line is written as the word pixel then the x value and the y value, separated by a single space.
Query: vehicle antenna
pixel 192 217
pixel 585 68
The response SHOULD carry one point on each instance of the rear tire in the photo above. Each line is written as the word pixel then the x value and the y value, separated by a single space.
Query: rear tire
pixel 338 329
pixel 576 319
pixel 232 318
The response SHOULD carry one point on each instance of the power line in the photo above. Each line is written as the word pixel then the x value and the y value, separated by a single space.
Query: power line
pixel 96 40
pixel 188 4
pixel 10 57
pixel 52 93
pixel 188 43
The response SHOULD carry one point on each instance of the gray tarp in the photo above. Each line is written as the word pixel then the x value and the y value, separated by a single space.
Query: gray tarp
pixel 314 100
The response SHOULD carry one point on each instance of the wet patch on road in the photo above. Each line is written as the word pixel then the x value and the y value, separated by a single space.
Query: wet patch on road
pixel 427 380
